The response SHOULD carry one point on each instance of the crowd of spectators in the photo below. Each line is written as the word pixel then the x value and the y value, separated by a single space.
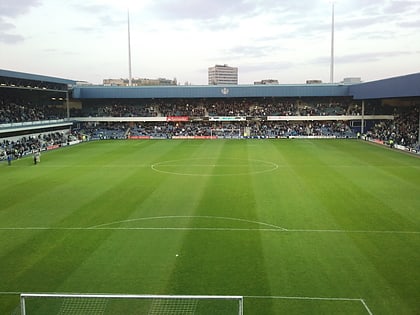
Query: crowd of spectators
pixel 30 144
pixel 14 111
pixel 102 131
pixel 115 110
pixel 181 108
pixel 25 112
pixel 403 130
pixel 259 107
pixel 244 129
pixel 332 108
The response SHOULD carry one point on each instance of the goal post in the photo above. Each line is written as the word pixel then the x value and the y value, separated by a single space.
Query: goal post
pixel 227 133
pixel 104 304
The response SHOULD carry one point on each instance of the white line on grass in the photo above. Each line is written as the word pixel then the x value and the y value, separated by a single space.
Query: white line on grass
pixel 300 298
pixel 366 307
pixel 206 165
pixel 352 231
pixel 272 226
pixel 312 298
pixel 269 227
pixel 197 229
pixel 90 166
pixel 10 293
pixel 266 297
pixel 187 162
pixel 134 229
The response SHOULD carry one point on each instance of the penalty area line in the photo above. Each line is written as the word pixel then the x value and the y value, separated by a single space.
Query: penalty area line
pixel 309 298
pixel 353 231
pixel 362 301
pixel 366 307
pixel 10 293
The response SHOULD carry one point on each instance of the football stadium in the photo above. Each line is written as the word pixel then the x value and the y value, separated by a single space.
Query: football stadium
pixel 225 199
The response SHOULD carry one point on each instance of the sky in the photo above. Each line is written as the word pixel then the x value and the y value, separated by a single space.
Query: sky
pixel 289 41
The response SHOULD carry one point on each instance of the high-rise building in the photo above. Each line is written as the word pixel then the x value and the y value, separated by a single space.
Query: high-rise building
pixel 223 74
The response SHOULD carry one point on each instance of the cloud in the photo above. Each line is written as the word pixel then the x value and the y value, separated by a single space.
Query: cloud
pixel 362 57
pixel 232 9
pixel 411 24
pixel 218 24
pixel 91 8
pixel 264 67
pixel 5 26
pixel 201 10
pixel 5 35
pixel 100 16
pixel 7 38
pixel 16 8
pixel 360 22
pixel 10 10
pixel 109 21
pixel 59 52
pixel 250 51
pixel 401 7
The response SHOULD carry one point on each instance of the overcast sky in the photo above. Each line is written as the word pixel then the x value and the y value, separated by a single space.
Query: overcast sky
pixel 266 39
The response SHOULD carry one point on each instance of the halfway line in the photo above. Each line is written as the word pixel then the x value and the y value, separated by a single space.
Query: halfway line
pixel 198 229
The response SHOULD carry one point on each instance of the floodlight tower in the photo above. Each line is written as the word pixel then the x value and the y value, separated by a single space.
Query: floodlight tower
pixel 129 49
pixel 332 44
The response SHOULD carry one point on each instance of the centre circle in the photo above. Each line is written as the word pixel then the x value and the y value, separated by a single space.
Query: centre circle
pixel 214 167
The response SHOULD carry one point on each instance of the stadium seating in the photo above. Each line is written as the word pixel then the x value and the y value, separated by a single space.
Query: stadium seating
pixel 403 130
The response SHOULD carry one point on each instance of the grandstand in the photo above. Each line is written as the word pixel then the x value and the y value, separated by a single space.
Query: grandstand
pixel 382 110
pixel 263 223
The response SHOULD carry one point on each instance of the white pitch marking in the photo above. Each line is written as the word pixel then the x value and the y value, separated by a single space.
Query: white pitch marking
pixel 155 166
pixel 300 298
pixel 258 297
pixel 221 165
pixel 275 227
pixel 312 298
pixel 366 307
pixel 134 228
pixel 195 229
pixel 90 166
pixel 9 293
pixel 352 231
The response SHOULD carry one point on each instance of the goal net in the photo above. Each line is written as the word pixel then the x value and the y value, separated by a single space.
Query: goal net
pixel 107 304
pixel 227 133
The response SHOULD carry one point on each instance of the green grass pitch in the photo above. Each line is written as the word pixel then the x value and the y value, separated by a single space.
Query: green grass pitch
pixel 295 226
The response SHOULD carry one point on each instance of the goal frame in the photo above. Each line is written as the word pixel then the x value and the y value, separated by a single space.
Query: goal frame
pixel 23 297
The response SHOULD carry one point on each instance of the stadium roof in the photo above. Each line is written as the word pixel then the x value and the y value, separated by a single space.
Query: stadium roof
pixel 34 77
pixel 211 91
pixel 397 87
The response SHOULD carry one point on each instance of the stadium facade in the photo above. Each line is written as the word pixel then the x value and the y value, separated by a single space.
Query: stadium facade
pixel 400 90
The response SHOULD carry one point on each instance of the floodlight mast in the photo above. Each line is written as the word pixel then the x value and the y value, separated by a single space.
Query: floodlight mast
pixel 129 49
pixel 332 45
